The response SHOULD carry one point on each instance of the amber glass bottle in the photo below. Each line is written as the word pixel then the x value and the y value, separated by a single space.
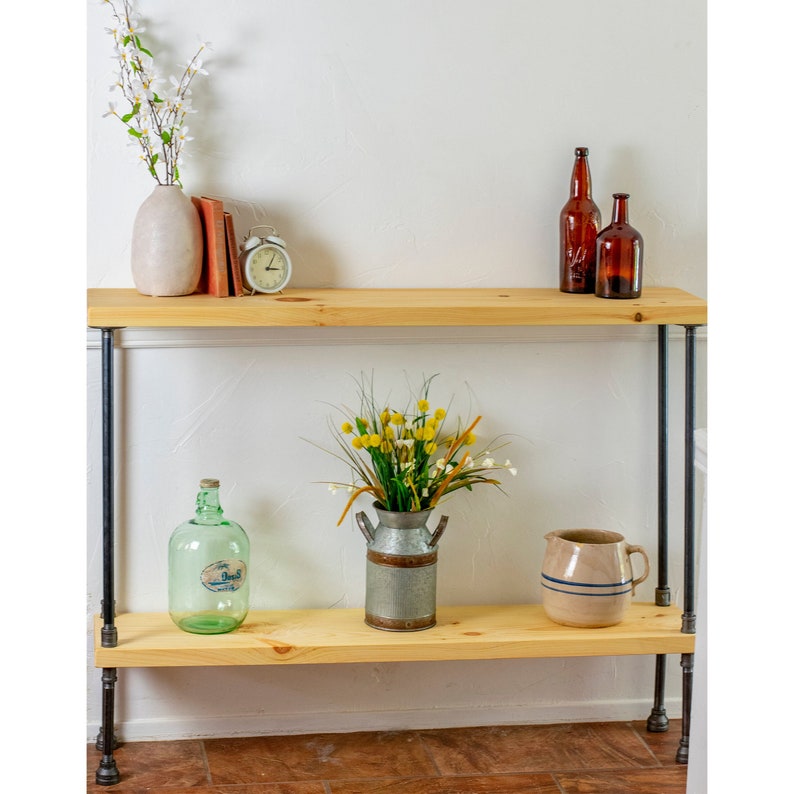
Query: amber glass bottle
pixel 580 220
pixel 619 255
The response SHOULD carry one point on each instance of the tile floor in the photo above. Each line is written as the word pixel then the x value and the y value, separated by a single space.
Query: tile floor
pixel 581 758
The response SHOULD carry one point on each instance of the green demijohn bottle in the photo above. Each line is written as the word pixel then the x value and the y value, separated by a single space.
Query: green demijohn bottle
pixel 208 558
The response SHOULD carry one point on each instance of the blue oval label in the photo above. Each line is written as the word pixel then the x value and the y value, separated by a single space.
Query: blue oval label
pixel 224 576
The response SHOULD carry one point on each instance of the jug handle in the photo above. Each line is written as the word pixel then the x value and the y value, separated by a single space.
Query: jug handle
pixel 365 526
pixel 639 550
pixel 442 525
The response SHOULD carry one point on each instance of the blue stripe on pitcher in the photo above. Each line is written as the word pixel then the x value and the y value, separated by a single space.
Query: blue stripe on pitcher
pixel 585 584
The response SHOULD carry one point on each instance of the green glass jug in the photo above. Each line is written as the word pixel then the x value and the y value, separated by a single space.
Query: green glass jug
pixel 208 559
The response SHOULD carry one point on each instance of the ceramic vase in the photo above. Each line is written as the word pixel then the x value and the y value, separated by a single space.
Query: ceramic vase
pixel 401 569
pixel 167 244
pixel 587 578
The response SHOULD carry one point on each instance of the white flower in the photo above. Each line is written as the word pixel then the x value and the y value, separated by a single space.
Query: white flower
pixel 182 135
pixel 154 117
pixel 488 463
pixel 195 67
pixel 111 110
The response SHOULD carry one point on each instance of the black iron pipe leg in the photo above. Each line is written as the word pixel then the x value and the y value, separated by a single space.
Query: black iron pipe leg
pixel 688 667
pixel 109 632
pixel 657 721
pixel 688 617
pixel 688 620
pixel 107 773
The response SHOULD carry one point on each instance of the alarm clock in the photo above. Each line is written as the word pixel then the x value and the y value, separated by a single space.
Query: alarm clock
pixel 264 261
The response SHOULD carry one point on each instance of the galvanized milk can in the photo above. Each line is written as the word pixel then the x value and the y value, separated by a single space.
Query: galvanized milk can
pixel 401 569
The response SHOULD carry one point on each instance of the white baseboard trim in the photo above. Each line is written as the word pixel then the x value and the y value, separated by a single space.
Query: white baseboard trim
pixel 347 722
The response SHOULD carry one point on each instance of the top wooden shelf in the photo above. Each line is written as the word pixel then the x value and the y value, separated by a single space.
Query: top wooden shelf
pixel 119 308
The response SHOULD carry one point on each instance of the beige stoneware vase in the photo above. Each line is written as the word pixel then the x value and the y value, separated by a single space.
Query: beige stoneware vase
pixel 167 244
pixel 587 578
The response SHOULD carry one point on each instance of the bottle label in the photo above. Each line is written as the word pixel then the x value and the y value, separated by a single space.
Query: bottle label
pixel 224 576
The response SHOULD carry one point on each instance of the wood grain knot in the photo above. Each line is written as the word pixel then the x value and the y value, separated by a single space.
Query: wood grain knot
pixel 638 317
pixel 287 299
pixel 473 633
pixel 282 648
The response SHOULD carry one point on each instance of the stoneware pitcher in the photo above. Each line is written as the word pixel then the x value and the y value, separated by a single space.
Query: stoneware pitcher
pixel 587 576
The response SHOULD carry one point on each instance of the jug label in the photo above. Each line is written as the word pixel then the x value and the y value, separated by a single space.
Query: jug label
pixel 224 576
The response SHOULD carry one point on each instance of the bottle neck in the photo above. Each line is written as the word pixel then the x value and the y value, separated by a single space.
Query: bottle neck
pixel 208 507
pixel 620 208
pixel 580 178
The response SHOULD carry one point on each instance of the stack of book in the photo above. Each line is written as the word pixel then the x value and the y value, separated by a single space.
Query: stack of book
pixel 220 270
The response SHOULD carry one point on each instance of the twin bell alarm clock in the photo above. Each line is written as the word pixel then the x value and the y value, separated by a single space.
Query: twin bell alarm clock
pixel 264 261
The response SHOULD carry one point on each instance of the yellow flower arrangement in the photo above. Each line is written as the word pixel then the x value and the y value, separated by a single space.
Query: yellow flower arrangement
pixel 406 459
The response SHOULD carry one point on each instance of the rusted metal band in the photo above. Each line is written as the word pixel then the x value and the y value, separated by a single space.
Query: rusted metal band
pixel 400 624
pixel 403 560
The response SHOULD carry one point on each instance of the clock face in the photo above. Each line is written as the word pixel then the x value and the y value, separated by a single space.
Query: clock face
pixel 268 269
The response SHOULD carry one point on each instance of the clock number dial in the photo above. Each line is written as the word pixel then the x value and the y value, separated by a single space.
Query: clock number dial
pixel 267 269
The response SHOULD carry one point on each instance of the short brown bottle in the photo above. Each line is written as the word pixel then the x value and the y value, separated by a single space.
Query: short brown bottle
pixel 580 220
pixel 619 255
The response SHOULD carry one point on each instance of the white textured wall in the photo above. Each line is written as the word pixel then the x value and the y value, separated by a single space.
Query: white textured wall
pixel 400 144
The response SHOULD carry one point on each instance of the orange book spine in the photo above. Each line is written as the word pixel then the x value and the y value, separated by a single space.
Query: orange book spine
pixel 215 278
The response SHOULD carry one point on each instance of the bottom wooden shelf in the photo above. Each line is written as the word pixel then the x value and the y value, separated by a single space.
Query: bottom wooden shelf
pixel 334 636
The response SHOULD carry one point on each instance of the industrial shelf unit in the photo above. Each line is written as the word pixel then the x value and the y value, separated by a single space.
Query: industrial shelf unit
pixel 464 632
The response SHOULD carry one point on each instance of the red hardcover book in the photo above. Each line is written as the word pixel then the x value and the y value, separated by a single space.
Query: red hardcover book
pixel 232 257
pixel 214 277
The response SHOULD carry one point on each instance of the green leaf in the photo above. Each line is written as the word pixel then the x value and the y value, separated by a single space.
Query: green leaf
pixel 142 48
pixel 166 138
pixel 155 158
pixel 134 133
pixel 134 112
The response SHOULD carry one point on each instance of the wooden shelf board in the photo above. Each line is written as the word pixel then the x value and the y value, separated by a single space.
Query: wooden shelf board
pixel 328 636
pixel 118 308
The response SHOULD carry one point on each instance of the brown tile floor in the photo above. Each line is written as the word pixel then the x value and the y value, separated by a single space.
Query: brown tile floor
pixel 581 758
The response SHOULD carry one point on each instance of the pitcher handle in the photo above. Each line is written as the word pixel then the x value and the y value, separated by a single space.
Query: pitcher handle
pixel 639 550
pixel 442 525
pixel 365 526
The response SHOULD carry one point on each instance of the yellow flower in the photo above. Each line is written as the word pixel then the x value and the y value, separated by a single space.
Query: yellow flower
pixel 364 440
pixel 357 443
pixel 386 447
pixel 374 441
pixel 423 406
pixel 385 417
pixel 388 432
pixel 439 414
pixel 431 447
pixel 470 439
pixel 431 423
pixel 397 419
pixel 347 427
